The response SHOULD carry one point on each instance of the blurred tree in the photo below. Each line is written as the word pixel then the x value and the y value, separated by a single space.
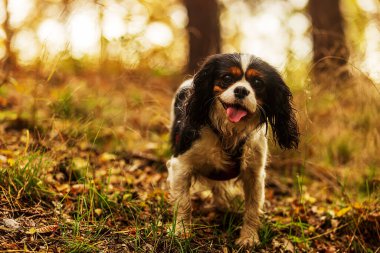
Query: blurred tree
pixel 9 61
pixel 329 46
pixel 103 40
pixel 203 30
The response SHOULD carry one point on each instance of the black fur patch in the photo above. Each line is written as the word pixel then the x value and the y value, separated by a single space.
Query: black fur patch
pixel 192 104
pixel 182 135
pixel 277 105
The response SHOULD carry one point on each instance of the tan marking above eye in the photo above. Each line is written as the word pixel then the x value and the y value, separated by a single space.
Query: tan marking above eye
pixel 218 88
pixel 253 73
pixel 235 71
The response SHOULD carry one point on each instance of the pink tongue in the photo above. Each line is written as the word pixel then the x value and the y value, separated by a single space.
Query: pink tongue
pixel 235 115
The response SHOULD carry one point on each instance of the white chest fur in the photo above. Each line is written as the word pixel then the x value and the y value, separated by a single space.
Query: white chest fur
pixel 207 153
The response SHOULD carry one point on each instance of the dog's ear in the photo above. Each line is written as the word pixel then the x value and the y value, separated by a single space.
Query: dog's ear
pixel 280 113
pixel 198 104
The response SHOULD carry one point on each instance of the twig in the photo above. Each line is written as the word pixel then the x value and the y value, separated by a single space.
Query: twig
pixel 326 233
pixel 143 156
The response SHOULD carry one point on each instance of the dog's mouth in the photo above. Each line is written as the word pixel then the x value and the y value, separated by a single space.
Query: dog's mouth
pixel 235 112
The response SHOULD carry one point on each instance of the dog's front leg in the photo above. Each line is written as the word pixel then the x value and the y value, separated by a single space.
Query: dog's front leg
pixel 179 179
pixel 253 186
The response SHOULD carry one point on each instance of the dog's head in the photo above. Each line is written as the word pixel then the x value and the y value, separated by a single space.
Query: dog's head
pixel 239 91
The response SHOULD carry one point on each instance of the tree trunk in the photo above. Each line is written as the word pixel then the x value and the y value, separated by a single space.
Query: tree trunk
pixel 203 30
pixel 9 61
pixel 329 46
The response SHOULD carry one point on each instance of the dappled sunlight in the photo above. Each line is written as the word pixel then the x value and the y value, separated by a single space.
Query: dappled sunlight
pixel 372 53
pixel 270 30
pixel 20 10
pixel 159 34
pixel 259 38
pixel 86 89
pixel 114 25
pixel 51 33
pixel 178 16
pixel 369 5
pixel 2 48
pixel 84 31
pixel 27 46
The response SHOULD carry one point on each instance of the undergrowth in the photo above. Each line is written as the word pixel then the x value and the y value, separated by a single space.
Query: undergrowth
pixel 23 179
pixel 92 176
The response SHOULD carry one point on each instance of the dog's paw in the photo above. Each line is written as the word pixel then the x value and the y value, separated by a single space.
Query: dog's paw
pixel 248 242
pixel 183 234
pixel 179 231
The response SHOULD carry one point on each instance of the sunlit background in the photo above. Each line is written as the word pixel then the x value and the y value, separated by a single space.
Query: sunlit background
pixel 152 34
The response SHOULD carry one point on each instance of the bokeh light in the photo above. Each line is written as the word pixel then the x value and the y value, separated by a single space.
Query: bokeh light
pixel 372 54
pixel 19 10
pixel 159 34
pixel 178 16
pixel 114 25
pixel 52 34
pixel 135 30
pixel 369 5
pixel 2 12
pixel 84 31
pixel 26 45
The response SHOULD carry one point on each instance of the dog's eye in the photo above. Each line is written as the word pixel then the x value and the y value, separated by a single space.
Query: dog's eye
pixel 227 79
pixel 258 83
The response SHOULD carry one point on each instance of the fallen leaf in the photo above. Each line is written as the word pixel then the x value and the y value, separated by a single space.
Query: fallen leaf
pixel 343 211
pixel 129 230
pixel 357 205
pixel 6 229
pixel 46 229
pixel 79 163
pixel 334 223
pixel 3 102
pixel 3 159
pixel 151 146
pixel 11 161
pixel 288 245
pixel 107 157
pixel 6 152
pixel 11 223
pixel 311 229
pixel 375 217
pixel 282 244
pixel 331 249
pixel 98 211
pixel 309 198
pixel 148 247
pixel 63 187
pixel 78 188
pixel 31 231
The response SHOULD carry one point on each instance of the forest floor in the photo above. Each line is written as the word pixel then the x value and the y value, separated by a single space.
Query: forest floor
pixel 82 169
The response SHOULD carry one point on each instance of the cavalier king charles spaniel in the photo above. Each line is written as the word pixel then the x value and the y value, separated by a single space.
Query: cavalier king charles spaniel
pixel 220 121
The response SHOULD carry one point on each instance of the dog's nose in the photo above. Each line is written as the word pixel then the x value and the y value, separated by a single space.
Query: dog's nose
pixel 241 92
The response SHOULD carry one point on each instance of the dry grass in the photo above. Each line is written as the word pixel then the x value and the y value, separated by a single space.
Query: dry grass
pixel 83 159
pixel 340 129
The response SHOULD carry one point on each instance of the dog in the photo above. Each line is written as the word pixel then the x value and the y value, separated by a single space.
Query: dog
pixel 219 132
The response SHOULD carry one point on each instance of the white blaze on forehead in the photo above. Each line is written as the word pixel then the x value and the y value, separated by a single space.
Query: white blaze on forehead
pixel 245 61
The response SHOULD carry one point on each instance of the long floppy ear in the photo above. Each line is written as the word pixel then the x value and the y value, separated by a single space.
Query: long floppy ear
pixel 280 114
pixel 191 111
pixel 199 102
